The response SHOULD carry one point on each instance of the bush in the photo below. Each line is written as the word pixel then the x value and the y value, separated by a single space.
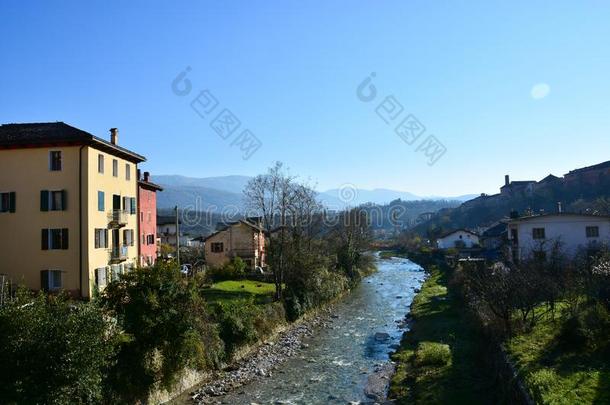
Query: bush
pixel 542 384
pixel 432 354
pixel 237 323
pixel 587 329
pixel 165 330
pixel 314 288
pixel 53 351
pixel 234 270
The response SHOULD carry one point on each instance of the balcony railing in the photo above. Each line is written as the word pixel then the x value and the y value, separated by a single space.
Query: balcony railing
pixel 118 218
pixel 118 254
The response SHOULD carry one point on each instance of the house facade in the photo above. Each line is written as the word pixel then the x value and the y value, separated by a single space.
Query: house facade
pixel 538 234
pixel 166 230
pixel 459 238
pixel 238 239
pixel 70 218
pixel 147 217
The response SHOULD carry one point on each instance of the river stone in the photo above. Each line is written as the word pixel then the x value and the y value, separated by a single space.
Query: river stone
pixel 382 336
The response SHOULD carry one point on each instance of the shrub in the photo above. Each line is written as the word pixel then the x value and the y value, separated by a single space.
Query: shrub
pixel 587 329
pixel 542 384
pixel 432 354
pixel 165 330
pixel 237 323
pixel 53 350
pixel 234 270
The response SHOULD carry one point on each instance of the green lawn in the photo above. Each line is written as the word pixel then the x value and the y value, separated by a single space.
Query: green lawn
pixel 437 358
pixel 556 375
pixel 239 289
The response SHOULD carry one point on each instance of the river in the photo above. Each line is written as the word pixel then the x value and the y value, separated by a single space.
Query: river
pixel 334 364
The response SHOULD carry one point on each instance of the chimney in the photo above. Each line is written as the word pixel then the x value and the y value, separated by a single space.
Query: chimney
pixel 559 210
pixel 506 180
pixel 114 136
pixel 146 176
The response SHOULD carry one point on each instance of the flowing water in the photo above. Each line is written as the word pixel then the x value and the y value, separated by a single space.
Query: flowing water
pixel 335 363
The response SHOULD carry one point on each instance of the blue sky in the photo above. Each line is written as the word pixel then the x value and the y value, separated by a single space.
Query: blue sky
pixel 289 72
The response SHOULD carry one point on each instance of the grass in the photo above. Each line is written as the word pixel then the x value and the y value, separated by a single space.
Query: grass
pixel 555 374
pixel 436 363
pixel 239 289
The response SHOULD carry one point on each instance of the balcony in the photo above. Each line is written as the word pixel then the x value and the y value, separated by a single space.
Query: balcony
pixel 118 254
pixel 118 218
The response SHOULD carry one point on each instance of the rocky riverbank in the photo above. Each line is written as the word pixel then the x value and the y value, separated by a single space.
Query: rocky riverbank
pixel 261 361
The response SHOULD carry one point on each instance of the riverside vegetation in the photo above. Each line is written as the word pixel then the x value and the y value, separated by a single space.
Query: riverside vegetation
pixel 546 320
pixel 150 325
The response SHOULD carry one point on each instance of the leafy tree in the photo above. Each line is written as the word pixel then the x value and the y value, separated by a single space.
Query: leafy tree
pixel 53 351
pixel 165 329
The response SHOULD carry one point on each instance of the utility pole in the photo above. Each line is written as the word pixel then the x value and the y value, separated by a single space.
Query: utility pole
pixel 177 235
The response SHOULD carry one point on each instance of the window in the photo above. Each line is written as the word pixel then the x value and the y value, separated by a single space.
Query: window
pixel 100 277
pixel 100 201
pixel 593 232
pixel 538 233
pixel 141 217
pixel 53 200
pixel 7 202
pixel 100 163
pixel 143 239
pixel 133 206
pixel 53 239
pixel 115 168
pixel 150 239
pixel 101 238
pixel 51 280
pixel 128 237
pixel 55 161
pixel 127 172
pixel 217 247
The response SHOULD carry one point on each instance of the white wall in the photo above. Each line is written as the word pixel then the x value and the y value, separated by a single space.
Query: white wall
pixel 570 231
pixel 449 241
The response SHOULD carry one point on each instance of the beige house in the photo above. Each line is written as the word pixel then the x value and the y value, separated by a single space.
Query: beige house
pixel 70 218
pixel 242 239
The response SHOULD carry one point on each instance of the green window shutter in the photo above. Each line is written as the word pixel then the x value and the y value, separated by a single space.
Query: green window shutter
pixel 44 200
pixel 64 238
pixel 45 239
pixel 96 236
pixel 44 280
pixel 105 238
pixel 11 202
pixel 133 205
pixel 64 200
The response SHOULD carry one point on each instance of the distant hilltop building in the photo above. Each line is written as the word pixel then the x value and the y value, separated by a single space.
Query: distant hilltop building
pixel 590 175
pixel 514 187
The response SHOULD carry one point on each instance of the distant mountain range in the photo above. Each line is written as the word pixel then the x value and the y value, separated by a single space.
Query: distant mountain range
pixel 217 193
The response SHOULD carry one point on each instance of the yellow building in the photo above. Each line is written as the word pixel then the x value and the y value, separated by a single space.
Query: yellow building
pixel 68 207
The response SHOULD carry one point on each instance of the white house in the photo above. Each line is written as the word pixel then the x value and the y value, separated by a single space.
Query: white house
pixel 538 234
pixel 460 238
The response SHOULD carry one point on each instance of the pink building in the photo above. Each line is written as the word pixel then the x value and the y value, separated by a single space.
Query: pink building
pixel 147 217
